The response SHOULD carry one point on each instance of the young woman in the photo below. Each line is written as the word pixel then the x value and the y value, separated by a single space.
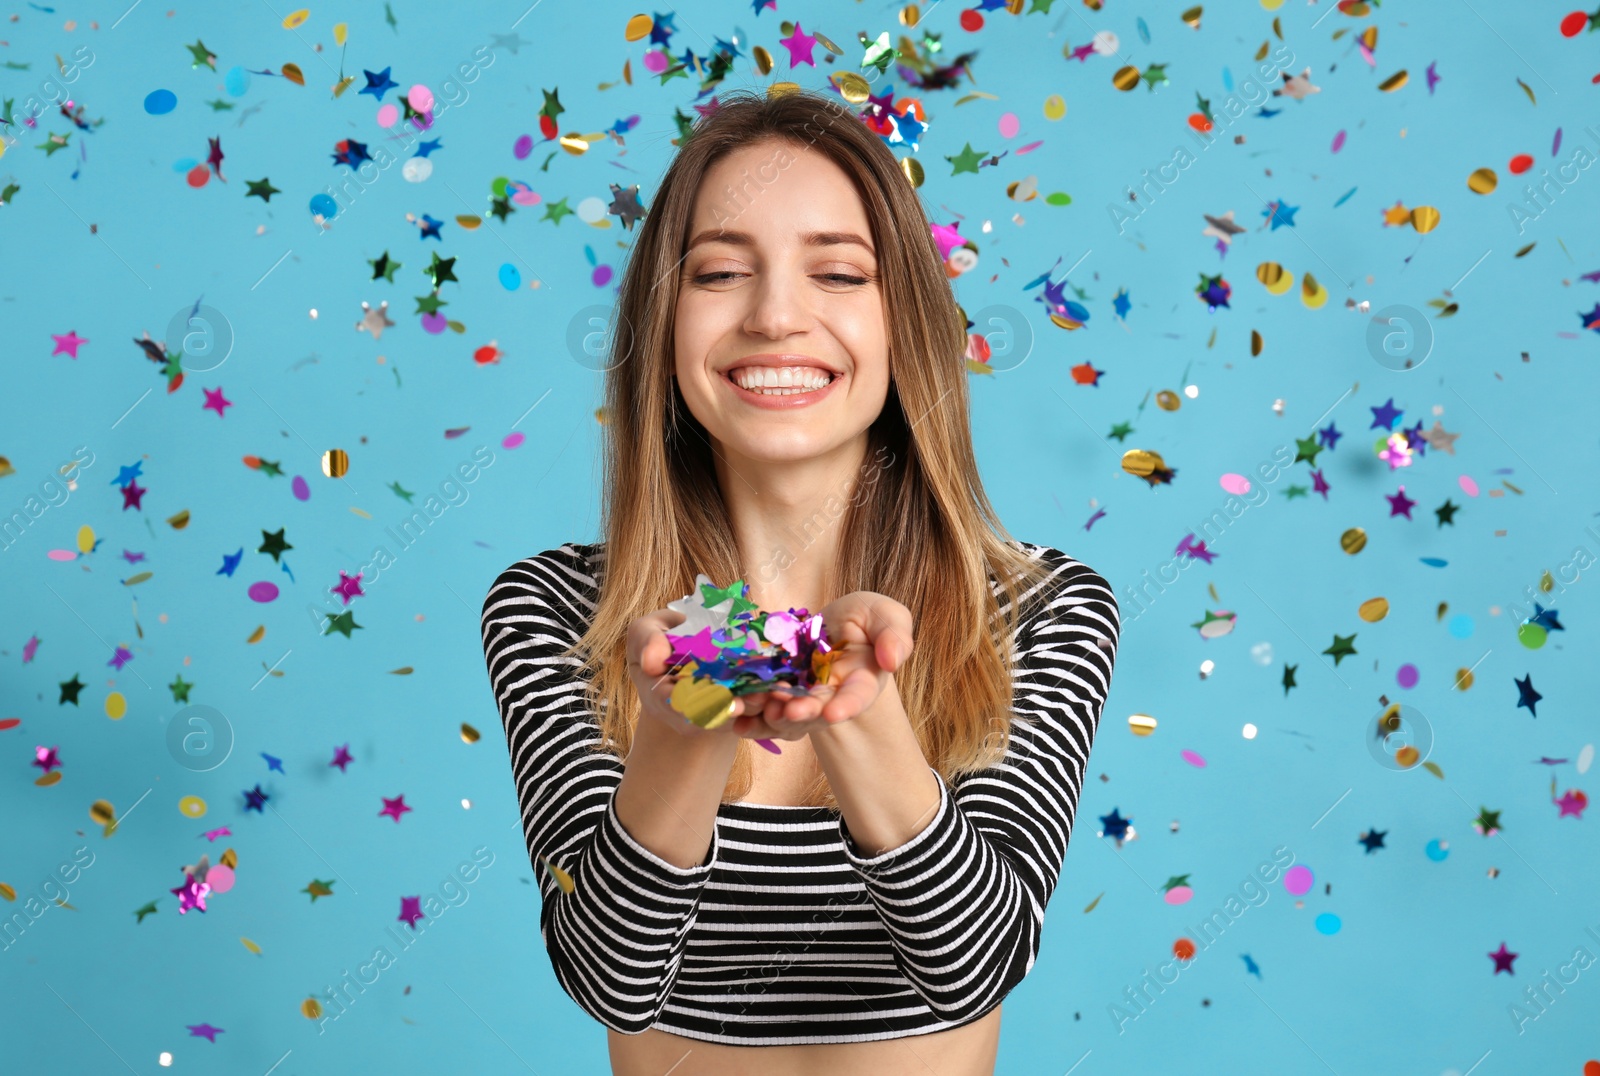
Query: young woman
pixel 788 406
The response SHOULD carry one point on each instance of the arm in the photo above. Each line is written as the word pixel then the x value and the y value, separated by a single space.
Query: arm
pixel 963 896
pixel 616 941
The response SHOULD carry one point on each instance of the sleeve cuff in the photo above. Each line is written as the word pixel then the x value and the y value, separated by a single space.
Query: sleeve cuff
pixel 637 860
pixel 886 864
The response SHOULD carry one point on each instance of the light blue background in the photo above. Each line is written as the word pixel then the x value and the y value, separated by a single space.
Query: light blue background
pixel 1405 986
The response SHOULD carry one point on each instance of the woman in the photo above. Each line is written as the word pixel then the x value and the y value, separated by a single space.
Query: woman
pixel 849 882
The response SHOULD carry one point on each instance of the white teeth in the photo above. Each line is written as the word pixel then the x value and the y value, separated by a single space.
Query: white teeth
pixel 784 381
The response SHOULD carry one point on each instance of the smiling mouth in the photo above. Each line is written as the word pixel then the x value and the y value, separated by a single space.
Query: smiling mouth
pixel 781 390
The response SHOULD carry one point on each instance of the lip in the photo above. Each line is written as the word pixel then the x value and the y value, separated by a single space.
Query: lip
pixel 781 403
pixel 777 360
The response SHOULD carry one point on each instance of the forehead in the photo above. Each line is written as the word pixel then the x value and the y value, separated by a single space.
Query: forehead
pixel 776 193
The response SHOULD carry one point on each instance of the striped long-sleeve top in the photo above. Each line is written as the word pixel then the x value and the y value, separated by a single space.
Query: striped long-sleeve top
pixel 786 933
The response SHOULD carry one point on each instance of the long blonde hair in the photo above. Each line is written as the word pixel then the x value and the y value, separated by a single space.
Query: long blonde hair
pixel 921 531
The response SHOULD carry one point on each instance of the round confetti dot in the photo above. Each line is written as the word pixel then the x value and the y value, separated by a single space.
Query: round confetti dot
pixel 601 276
pixel 1106 43
pixel 1591 1068
pixel 971 20
pixel 198 176
pixel 591 210
pixel 1249 731
pixel 1192 759
pixel 1520 164
pixel 192 807
pixel 435 323
pixel 656 61
pixel 1586 758
pixel 510 277
pixel 160 102
pixel 263 591
pixel 1009 125
pixel 512 440
pixel 1406 676
pixel 1055 106
pixel 1437 850
pixel 1573 23
pixel 1328 923
pixel 522 147
pixel 1179 894
pixel 236 81
pixel 526 197
pixel 323 205
pixel 1531 635
pixel 1183 949
pixel 1297 880
pixel 499 186
pixel 1461 626
pixel 421 98
pixel 388 116
pixel 1236 484
pixel 220 878
pixel 116 706
pixel 300 488
pixel 416 169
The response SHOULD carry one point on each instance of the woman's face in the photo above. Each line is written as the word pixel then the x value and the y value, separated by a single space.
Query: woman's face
pixel 773 277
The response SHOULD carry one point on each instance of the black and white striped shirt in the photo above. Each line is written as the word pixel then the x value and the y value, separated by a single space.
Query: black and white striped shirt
pixel 786 934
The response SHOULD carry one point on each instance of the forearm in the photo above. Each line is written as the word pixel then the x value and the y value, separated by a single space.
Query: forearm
pixel 875 766
pixel 671 789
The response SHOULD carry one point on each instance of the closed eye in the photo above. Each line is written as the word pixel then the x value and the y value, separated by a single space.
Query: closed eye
pixel 718 277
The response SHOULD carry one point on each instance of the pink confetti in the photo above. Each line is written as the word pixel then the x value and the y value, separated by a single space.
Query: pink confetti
pixel 1009 125
pixel 1338 142
pixel 512 440
pixel 1297 880
pixel 263 591
pixel 1468 486
pixel 388 116
pixel 1192 759
pixel 1236 484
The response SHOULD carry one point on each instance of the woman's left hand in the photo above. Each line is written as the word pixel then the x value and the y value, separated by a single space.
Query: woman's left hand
pixel 872 637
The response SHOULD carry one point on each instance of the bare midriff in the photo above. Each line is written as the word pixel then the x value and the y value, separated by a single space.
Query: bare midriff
pixel 969 1050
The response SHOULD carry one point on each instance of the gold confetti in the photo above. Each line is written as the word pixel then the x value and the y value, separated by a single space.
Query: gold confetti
pixel 7 892
pixel 913 170
pixel 1168 400
pixel 294 19
pixel 563 879
pixel 1353 540
pixel 1373 610
pixel 638 27
pixel 363 513
pixel 468 221
pixel 1093 902
pixel 51 778
pixel 104 814
pixel 704 702
pixel 1528 90
pixel 1394 81
pixel 250 945
pixel 468 733
pixel 335 463
pixel 1407 756
pixel 1256 342
pixel 1433 768
pixel 292 73
pixel 404 670
pixel 852 87
pixel 179 521
pixel 1547 582
pixel 192 807
pixel 1191 17
pixel 230 859
pixel 257 635
pixel 116 706
pixel 311 1009
pixel 1141 724
pixel 763 60
pixel 1463 679
pixel 1424 218
pixel 1126 78
pixel 1140 462
pixel 1483 181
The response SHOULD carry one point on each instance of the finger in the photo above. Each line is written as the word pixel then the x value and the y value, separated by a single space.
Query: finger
pixel 853 696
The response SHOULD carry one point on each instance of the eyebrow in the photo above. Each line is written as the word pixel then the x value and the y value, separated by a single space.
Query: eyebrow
pixel 810 239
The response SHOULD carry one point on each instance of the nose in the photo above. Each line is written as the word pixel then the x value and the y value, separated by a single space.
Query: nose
pixel 780 306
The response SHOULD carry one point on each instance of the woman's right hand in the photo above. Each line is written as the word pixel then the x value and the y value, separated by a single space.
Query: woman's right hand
pixel 648 649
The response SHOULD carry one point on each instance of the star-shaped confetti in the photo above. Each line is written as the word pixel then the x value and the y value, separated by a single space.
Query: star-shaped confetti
pixel 254 799
pixel 1384 416
pixel 1399 503
pixel 1447 512
pixel 1342 647
pixel 1288 677
pixel 1502 960
pixel 201 54
pixel 967 160
pixel 383 266
pixel 1114 825
pixel 68 344
pixel 1280 214
pixel 261 188
pixel 1487 822
pixel 215 401
pixel 411 911
pixel 394 808
pixel 1526 696
pixel 555 211
pixel 273 542
pixel 319 888
pixel 148 909
pixel 204 1031
pixel 180 689
pixel 344 624
pixel 1572 803
pixel 799 45
pixel 69 691
pixel 378 83
pixel 1372 839
pixel 342 757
